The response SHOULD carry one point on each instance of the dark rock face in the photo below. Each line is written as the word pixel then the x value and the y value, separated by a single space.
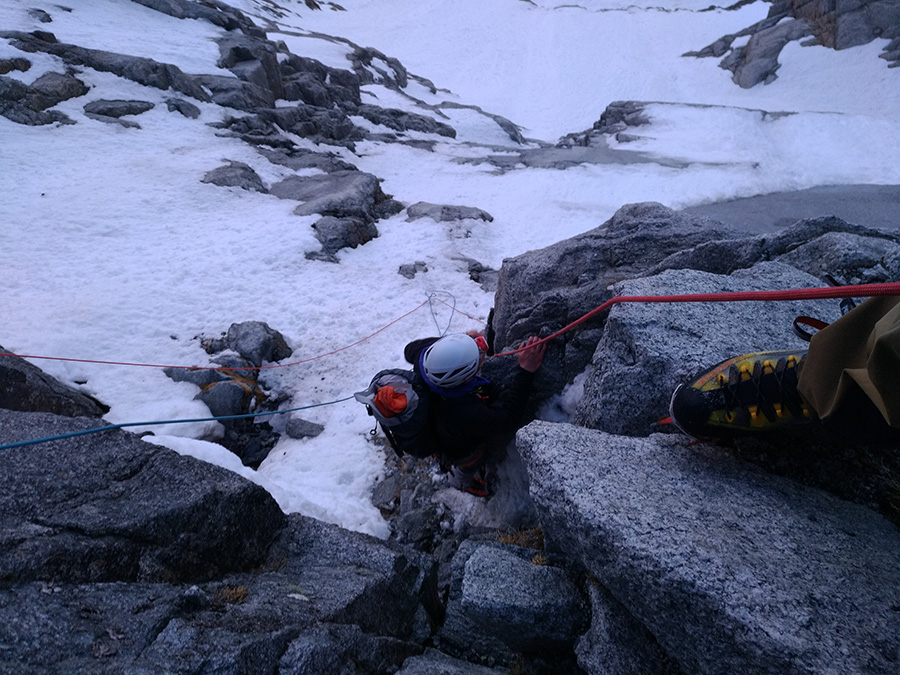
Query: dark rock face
pixel 27 105
pixel 732 569
pixel 217 13
pixel 139 69
pixel 25 387
pixel 257 342
pixel 117 555
pixel 117 108
pixel 319 124
pixel 400 120
pixel 547 289
pixel 339 194
pixel 337 233
pixel 301 611
pixel 235 387
pixel 109 507
pixel 253 60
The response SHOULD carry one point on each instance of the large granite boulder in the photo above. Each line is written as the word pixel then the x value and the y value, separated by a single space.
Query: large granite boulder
pixel 342 194
pixel 544 290
pixel 547 289
pixel 507 604
pixel 106 506
pixel 647 349
pixel 730 568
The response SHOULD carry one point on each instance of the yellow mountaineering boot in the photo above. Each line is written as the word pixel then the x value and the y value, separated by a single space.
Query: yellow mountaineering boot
pixel 742 395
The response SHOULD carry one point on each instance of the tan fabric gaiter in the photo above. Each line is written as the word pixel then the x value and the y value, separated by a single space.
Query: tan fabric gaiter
pixel 857 355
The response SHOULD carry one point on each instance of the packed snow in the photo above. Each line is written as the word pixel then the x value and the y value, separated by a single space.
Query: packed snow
pixel 114 250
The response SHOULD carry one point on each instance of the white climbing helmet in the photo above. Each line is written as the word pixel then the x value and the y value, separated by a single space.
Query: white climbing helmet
pixel 452 360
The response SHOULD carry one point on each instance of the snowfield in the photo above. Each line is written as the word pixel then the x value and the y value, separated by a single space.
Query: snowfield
pixel 113 249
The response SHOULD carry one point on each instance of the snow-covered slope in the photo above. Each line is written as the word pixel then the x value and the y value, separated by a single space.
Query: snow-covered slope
pixel 113 249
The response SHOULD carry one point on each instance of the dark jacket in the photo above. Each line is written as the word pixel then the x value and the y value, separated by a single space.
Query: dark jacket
pixel 489 413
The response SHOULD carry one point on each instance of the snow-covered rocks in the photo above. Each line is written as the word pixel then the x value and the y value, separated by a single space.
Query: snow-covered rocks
pixel 836 25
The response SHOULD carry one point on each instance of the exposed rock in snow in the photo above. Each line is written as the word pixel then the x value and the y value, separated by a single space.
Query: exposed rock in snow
pixel 836 25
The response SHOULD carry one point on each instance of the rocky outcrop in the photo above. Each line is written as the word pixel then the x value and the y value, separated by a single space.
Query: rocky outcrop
pixel 506 602
pixel 262 72
pixel 236 174
pixel 731 569
pixel 662 345
pixel 123 556
pixel 107 507
pixel 26 104
pixel 704 558
pixel 234 387
pixel 25 387
pixel 549 288
pixel 838 25
pixel 552 287
pixel 136 68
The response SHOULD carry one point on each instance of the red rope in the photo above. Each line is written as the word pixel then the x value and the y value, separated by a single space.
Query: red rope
pixel 276 365
pixel 459 311
pixel 860 291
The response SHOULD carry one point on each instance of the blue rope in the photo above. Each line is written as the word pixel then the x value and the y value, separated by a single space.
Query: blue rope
pixel 110 427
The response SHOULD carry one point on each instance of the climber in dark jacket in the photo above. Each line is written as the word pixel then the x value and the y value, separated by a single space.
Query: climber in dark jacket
pixel 473 417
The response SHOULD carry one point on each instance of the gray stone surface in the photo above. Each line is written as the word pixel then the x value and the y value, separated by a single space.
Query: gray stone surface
pixel 501 604
pixel 616 643
pixel 296 612
pixel 400 120
pixel 117 108
pixel 25 105
pixel 529 606
pixel 25 387
pixel 235 174
pixel 107 506
pixel 647 349
pixel 233 92
pixel 253 59
pixel 139 69
pixel 433 662
pixel 300 428
pixel 541 291
pixel 445 212
pixel 345 649
pixel 341 194
pixel 257 342
pixel 732 569
pixel 837 25
pixel 337 233
pixel 186 108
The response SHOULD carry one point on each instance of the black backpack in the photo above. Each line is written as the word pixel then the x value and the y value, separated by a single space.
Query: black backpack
pixel 410 432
